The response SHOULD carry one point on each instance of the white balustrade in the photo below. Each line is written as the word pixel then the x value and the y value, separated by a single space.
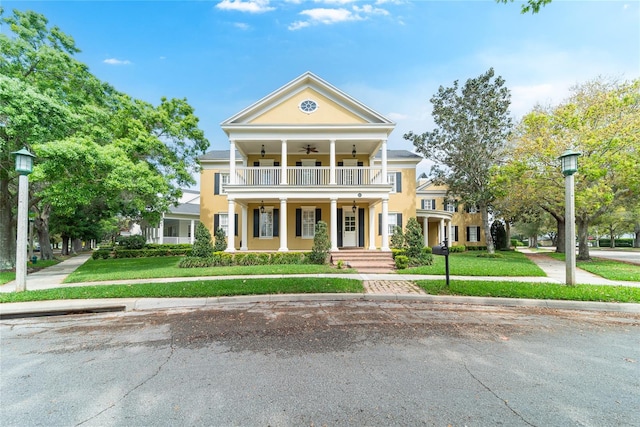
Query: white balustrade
pixel 301 176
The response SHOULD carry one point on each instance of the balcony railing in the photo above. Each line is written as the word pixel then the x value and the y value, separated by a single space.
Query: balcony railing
pixel 307 176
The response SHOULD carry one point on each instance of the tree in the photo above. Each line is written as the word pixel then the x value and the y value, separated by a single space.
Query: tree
pixel 202 246
pixel 599 119
pixel 95 147
pixel 397 238
pixel 532 6
pixel 472 127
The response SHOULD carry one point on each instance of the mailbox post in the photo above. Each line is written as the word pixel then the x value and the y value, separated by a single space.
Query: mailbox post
pixel 443 250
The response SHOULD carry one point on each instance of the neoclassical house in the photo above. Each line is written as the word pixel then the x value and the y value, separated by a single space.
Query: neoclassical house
pixel 309 152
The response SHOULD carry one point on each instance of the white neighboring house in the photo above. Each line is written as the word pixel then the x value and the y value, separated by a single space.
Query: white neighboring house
pixel 178 225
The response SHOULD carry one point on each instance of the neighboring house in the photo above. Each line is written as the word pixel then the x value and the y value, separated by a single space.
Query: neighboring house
pixel 443 217
pixel 304 153
pixel 179 224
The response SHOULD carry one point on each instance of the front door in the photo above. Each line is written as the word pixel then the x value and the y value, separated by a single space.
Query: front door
pixel 349 229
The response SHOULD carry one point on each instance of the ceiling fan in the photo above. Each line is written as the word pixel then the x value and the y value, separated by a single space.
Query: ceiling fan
pixel 309 149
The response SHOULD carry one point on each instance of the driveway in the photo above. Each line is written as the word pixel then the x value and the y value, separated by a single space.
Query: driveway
pixel 348 363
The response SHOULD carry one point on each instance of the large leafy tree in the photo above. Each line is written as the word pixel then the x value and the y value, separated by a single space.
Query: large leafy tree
pixel 472 126
pixel 532 6
pixel 98 150
pixel 600 119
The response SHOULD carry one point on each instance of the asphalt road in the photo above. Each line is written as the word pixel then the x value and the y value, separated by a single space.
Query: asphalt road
pixel 618 255
pixel 336 364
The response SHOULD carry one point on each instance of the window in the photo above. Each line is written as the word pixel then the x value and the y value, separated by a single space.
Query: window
pixel 308 106
pixel 308 222
pixel 266 223
pixel 429 204
pixel 392 222
pixel 224 179
pixel 472 209
pixel 450 207
pixel 223 222
pixel 473 234
pixel 391 179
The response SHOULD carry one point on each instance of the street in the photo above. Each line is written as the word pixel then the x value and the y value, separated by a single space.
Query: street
pixel 349 363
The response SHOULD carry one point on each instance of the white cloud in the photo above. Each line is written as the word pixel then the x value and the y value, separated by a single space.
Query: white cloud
pixel 250 6
pixel 114 61
pixel 241 25
pixel 330 16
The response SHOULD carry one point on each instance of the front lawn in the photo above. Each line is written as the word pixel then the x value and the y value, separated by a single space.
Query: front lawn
pixel 509 263
pixel 8 276
pixel 607 268
pixel 99 270
pixel 195 289
pixel 532 290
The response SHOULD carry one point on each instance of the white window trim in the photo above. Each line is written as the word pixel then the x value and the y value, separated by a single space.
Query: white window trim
pixel 450 207
pixel 391 179
pixel 223 217
pixel 312 210
pixel 391 224
pixel 473 237
pixel 224 179
pixel 266 210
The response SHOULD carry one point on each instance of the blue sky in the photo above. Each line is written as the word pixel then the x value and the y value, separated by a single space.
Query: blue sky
pixel 389 54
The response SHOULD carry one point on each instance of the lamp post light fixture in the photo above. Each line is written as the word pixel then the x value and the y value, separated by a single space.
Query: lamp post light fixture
pixel 569 164
pixel 24 166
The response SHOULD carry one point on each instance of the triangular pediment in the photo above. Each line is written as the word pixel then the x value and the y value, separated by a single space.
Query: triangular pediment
pixel 330 106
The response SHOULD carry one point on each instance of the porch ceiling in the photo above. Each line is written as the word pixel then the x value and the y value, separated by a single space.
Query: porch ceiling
pixel 297 147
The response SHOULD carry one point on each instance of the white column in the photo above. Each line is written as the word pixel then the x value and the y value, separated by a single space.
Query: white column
pixel 372 228
pixel 245 233
pixel 332 162
pixel 232 162
pixel 283 162
pixel 21 244
pixel 384 161
pixel 425 231
pixel 231 220
pixel 193 232
pixel 385 226
pixel 441 231
pixel 283 226
pixel 449 232
pixel 161 230
pixel 334 224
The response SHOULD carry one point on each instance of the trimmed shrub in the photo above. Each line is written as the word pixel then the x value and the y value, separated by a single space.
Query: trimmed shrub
pixel 321 245
pixel 457 248
pixel 397 238
pixel 620 243
pixel 222 258
pixel 396 252
pixel 202 247
pixel 196 262
pixel 137 241
pixel 146 253
pixel 171 246
pixel 427 250
pixel 476 248
pixel 515 243
pixel 220 243
pixel 101 254
pixel 490 256
pixel 402 262
pixel 414 239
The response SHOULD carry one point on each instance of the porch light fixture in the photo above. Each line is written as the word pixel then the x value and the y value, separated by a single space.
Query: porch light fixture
pixel 353 152
pixel 262 206
pixel 262 152
pixel 354 208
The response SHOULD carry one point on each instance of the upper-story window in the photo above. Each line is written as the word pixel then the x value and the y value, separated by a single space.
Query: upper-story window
pixel 391 179
pixel 450 206
pixel 308 106
pixel 224 180
pixel 429 204
pixel 472 209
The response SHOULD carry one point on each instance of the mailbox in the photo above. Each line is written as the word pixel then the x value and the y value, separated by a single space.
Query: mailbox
pixel 440 250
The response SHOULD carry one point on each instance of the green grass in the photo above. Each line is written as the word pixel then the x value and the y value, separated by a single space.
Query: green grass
pixel 510 263
pixel 98 270
pixel 8 276
pixel 609 269
pixel 194 289
pixel 532 290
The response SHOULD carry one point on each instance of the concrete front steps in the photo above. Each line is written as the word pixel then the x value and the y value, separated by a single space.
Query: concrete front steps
pixel 365 261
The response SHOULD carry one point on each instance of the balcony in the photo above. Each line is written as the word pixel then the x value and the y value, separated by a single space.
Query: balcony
pixel 300 176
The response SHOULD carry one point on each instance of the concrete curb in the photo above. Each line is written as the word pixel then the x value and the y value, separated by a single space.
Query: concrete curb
pixel 61 307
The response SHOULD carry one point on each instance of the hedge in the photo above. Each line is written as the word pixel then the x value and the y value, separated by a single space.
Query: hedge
pixel 145 253
pixel 219 259
pixel 620 243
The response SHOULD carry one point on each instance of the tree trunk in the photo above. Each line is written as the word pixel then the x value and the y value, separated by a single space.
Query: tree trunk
pixel 583 240
pixel 7 227
pixel 533 242
pixel 560 238
pixel 507 229
pixel 612 243
pixel 636 241
pixel 487 228
pixel 65 245
pixel 76 246
pixel 42 227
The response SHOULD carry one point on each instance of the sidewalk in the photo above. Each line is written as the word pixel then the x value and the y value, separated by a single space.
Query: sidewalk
pixel 377 286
